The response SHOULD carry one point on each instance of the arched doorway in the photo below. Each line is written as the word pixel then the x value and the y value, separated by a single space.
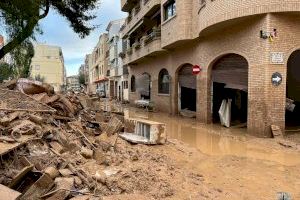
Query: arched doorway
pixel 229 90
pixel 293 91
pixel 144 86
pixel 187 88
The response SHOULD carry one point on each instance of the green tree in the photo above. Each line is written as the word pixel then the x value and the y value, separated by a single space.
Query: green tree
pixel 6 71
pixel 20 18
pixel 22 56
pixel 81 79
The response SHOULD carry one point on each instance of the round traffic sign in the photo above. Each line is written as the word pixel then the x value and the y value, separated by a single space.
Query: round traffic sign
pixel 276 79
pixel 196 69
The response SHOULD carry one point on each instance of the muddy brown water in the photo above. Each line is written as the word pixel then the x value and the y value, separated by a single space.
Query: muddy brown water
pixel 212 140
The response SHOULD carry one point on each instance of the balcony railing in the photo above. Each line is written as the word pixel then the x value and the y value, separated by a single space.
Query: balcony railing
pixel 138 12
pixel 129 51
pixel 147 45
pixel 155 34
pixel 137 45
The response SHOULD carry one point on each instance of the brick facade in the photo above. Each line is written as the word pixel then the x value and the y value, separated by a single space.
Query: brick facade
pixel 218 29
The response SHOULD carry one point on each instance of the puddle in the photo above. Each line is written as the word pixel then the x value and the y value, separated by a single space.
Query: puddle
pixel 208 138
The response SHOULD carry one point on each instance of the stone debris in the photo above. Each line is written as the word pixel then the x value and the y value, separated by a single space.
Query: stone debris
pixel 56 148
pixel 276 131
pixel 8 194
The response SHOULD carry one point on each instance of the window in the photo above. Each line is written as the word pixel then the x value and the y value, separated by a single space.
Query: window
pixel 169 9
pixel 163 82
pixel 132 84
pixel 125 84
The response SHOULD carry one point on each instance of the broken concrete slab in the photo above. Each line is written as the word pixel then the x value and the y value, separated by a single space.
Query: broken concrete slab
pixel 133 138
pixel 145 132
pixel 8 194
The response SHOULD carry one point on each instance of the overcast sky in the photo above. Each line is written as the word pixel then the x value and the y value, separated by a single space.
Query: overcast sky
pixel 56 31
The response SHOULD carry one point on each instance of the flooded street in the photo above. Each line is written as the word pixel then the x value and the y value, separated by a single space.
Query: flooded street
pixel 241 165
pixel 213 140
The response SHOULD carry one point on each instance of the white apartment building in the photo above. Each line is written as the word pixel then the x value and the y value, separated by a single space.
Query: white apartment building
pixel 118 73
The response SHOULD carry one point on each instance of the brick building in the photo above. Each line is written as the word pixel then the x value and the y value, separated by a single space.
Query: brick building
pixel 240 45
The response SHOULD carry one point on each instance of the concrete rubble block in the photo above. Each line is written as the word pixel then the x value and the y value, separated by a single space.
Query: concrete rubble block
pixel 8 194
pixel 52 172
pixel 57 147
pixel 106 141
pixel 66 172
pixel 99 156
pixel 145 132
pixel 62 190
pixel 87 153
pixel 77 181
pixel 276 131
pixel 100 177
pixel 40 187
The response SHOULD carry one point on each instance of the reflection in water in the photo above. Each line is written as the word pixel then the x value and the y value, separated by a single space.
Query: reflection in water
pixel 211 139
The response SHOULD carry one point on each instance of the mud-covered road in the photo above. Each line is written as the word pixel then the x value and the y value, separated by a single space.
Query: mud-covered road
pixel 212 162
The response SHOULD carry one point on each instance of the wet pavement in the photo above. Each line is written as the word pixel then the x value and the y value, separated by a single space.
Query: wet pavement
pixel 213 140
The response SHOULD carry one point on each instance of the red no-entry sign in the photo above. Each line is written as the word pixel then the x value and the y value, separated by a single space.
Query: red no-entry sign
pixel 196 69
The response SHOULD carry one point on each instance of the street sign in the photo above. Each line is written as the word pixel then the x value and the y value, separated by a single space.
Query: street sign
pixel 196 69
pixel 276 79
pixel 277 58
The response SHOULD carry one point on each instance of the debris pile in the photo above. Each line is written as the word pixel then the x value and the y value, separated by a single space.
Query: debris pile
pixel 54 148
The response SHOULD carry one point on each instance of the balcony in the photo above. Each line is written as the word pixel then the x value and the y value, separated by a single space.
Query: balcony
pixel 113 72
pixel 127 5
pixel 148 46
pixel 141 11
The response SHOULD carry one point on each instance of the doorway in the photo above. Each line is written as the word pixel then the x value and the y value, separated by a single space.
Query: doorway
pixel 144 86
pixel 187 92
pixel 229 90
pixel 292 118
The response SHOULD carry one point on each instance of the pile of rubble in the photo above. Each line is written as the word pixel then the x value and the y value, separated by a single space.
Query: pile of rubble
pixel 54 147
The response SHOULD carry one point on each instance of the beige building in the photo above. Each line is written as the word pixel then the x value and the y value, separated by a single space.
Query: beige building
pixel 248 52
pixel 99 66
pixel 48 65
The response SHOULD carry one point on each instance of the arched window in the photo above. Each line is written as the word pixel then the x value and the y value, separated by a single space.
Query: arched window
pixel 132 84
pixel 163 82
